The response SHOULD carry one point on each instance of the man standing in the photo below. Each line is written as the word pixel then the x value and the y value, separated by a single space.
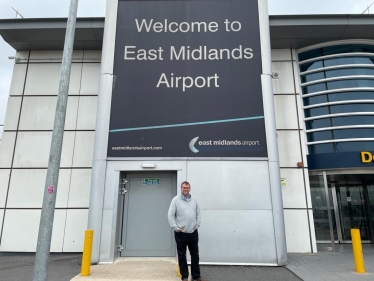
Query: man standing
pixel 184 217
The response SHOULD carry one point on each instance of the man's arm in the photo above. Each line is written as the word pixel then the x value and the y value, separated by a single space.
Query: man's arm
pixel 198 216
pixel 171 215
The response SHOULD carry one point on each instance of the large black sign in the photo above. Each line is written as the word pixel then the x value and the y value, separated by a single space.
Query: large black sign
pixel 187 80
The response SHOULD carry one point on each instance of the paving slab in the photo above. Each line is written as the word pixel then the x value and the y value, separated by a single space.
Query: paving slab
pixel 165 269
pixel 134 269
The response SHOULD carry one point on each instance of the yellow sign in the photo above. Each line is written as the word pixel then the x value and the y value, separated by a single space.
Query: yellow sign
pixel 283 182
pixel 366 157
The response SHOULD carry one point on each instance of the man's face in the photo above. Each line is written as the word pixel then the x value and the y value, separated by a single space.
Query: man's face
pixel 185 189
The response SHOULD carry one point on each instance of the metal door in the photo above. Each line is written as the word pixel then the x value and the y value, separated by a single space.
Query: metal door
pixel 146 231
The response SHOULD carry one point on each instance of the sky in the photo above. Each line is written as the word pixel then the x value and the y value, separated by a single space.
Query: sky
pixel 96 8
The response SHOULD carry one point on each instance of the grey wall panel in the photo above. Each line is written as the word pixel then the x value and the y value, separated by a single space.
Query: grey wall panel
pixel 230 185
pixel 237 236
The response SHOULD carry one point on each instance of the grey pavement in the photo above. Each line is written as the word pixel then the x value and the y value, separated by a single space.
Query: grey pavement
pixel 323 265
pixel 165 269
pixel 331 266
pixel 20 267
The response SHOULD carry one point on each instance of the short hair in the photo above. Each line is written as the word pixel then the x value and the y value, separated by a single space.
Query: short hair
pixel 186 182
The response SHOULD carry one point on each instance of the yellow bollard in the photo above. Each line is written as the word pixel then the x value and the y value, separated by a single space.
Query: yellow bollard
pixel 178 271
pixel 87 250
pixel 357 250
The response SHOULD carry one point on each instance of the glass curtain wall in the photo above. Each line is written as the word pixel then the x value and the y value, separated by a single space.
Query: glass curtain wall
pixel 351 200
pixel 338 97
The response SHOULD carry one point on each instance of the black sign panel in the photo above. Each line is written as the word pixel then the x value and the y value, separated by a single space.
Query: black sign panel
pixel 187 80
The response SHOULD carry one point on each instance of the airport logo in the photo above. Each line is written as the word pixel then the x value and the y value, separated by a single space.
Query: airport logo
pixel 224 145
pixel 192 145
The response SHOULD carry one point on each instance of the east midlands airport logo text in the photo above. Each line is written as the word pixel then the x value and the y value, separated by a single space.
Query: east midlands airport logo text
pixel 222 145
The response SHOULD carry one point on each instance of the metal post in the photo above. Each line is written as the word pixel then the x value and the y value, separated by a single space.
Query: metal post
pixel 87 251
pixel 271 136
pixel 50 190
pixel 99 162
pixel 329 211
pixel 358 256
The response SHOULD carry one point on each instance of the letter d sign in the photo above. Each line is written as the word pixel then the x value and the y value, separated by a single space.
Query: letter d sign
pixel 366 157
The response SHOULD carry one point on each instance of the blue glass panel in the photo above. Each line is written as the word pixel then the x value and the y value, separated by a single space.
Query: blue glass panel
pixel 312 77
pixel 310 54
pixel 337 49
pixel 314 88
pixel 348 60
pixel 352 83
pixel 351 96
pixel 318 123
pixel 353 120
pixel 340 49
pixel 319 136
pixel 354 146
pixel 315 100
pixel 311 66
pixel 353 133
pixel 321 148
pixel 354 107
pixel 316 111
pixel 349 71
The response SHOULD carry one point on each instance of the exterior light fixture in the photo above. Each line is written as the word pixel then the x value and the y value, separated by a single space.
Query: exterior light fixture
pixel 148 165
pixel 16 59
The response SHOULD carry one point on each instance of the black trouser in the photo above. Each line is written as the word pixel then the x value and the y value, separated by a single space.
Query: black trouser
pixel 191 240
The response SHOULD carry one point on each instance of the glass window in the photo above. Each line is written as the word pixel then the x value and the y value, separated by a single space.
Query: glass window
pixel 310 54
pixel 333 50
pixel 348 72
pixel 354 146
pixel 315 100
pixel 351 83
pixel 316 111
pixel 314 88
pixel 353 107
pixel 312 77
pixel 348 60
pixel 354 133
pixel 351 96
pixel 319 136
pixel 353 120
pixel 311 66
pixel 318 123
pixel 321 148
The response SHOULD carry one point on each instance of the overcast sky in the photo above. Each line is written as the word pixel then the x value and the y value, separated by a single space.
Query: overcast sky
pixel 96 8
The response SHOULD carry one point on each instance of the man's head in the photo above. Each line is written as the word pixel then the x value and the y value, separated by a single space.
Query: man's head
pixel 185 188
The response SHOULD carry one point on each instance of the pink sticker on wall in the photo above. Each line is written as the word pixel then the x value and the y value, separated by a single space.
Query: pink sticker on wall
pixel 50 189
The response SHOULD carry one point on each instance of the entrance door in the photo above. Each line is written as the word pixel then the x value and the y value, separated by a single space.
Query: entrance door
pixel 146 231
pixel 351 205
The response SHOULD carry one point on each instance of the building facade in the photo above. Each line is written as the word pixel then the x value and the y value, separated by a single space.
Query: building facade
pixel 323 95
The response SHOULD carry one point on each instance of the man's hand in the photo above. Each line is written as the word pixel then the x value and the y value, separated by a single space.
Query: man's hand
pixel 196 227
pixel 180 230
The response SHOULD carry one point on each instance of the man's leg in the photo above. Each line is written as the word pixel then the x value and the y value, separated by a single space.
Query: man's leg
pixel 181 239
pixel 193 247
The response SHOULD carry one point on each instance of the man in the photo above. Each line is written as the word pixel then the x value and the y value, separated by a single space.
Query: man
pixel 184 217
